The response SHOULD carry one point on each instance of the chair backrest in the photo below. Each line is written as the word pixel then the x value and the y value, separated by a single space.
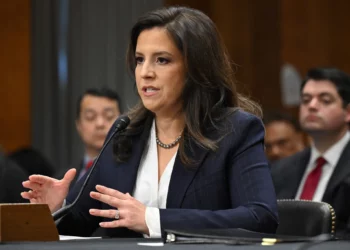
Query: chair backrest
pixel 305 218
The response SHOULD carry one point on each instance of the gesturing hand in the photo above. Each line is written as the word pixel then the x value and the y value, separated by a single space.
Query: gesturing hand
pixel 130 211
pixel 47 190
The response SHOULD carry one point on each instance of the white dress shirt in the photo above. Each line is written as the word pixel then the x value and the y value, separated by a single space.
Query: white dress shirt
pixel 331 156
pixel 147 189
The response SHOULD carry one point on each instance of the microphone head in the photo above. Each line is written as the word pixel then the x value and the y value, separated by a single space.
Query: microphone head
pixel 122 122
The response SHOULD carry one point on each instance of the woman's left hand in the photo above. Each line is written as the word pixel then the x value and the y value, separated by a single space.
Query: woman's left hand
pixel 130 211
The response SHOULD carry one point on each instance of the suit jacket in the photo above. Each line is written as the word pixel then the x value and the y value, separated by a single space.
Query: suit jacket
pixel 78 165
pixel 11 178
pixel 287 174
pixel 229 188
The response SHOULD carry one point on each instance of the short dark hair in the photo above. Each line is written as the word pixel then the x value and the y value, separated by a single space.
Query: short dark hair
pixel 274 116
pixel 339 78
pixel 99 92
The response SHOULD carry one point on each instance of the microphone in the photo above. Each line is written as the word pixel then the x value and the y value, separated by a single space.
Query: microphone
pixel 121 123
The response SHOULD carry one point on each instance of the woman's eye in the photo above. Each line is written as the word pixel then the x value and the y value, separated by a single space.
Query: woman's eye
pixel 139 60
pixel 162 60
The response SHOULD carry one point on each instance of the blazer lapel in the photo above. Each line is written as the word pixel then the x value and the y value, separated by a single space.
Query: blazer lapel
pixel 79 168
pixel 294 173
pixel 128 170
pixel 182 176
pixel 342 169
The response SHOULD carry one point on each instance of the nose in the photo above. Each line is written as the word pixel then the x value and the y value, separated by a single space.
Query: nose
pixel 275 152
pixel 313 104
pixel 100 121
pixel 147 70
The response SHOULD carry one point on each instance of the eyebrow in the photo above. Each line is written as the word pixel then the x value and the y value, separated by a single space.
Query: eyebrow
pixel 88 110
pixel 322 94
pixel 158 53
pixel 108 109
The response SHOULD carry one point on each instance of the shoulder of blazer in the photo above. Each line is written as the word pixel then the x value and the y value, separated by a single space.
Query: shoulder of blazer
pixel 241 117
pixel 242 124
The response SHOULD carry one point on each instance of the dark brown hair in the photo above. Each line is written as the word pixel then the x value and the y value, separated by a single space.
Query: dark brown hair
pixel 210 92
pixel 339 78
pixel 99 92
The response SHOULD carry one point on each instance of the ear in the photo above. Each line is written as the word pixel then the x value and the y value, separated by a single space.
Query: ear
pixel 347 114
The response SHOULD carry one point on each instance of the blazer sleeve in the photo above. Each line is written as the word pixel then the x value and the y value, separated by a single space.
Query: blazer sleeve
pixel 79 222
pixel 253 199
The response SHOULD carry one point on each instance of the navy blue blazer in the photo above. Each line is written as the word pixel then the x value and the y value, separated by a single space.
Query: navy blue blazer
pixel 229 188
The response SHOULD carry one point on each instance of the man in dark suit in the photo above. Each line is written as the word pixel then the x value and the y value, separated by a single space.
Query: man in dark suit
pixel 322 171
pixel 11 178
pixel 97 109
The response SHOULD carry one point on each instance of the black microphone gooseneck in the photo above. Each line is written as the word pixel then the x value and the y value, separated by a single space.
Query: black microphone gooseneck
pixel 121 123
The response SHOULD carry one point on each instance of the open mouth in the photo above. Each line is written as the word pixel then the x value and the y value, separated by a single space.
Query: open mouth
pixel 149 91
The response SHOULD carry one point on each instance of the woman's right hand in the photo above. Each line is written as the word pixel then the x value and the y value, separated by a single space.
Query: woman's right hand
pixel 47 190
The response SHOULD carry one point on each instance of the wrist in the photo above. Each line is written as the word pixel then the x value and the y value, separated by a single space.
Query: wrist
pixel 58 206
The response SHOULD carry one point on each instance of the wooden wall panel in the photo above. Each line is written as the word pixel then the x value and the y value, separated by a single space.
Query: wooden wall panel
pixel 314 33
pixel 339 34
pixel 305 33
pixel 14 74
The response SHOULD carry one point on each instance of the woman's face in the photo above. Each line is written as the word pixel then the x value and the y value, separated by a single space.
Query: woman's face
pixel 160 72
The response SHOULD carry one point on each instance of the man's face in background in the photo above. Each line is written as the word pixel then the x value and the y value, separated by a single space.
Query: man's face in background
pixel 97 115
pixel 282 140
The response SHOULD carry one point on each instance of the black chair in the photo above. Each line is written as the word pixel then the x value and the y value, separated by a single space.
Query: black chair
pixel 305 218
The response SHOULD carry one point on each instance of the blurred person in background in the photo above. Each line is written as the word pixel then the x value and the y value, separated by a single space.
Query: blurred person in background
pixel 96 111
pixel 11 178
pixel 32 161
pixel 283 136
pixel 321 172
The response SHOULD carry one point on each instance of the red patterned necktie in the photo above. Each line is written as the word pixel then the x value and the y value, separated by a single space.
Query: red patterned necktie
pixel 312 180
pixel 89 164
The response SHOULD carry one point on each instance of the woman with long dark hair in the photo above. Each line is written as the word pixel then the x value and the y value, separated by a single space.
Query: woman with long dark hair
pixel 193 153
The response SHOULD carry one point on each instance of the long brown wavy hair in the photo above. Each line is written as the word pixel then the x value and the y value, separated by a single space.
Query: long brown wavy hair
pixel 209 93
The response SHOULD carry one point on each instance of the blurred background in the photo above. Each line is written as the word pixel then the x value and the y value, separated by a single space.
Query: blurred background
pixel 52 50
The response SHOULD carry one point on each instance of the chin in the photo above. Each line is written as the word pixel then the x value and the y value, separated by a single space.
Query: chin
pixel 98 146
pixel 313 130
pixel 150 107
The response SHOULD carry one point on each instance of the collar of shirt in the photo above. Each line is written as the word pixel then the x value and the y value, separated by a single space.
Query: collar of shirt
pixel 148 189
pixel 87 159
pixel 332 155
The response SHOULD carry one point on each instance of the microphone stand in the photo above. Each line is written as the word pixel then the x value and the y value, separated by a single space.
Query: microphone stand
pixel 121 124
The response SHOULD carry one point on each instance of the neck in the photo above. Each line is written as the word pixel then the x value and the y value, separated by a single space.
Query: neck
pixel 91 153
pixel 325 141
pixel 169 127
